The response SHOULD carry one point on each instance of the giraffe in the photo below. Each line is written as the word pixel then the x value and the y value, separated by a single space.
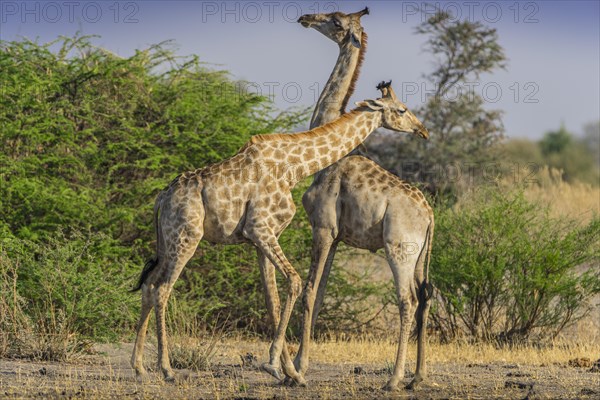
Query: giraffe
pixel 247 199
pixel 357 202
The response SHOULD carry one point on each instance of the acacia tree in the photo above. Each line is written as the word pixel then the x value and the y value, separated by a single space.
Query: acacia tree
pixel 88 139
pixel 462 130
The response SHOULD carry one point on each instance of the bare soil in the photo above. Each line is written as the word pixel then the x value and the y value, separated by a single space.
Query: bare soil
pixel 107 374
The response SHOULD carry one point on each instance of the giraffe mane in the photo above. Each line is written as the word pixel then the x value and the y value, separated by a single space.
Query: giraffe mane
pixel 361 57
pixel 327 128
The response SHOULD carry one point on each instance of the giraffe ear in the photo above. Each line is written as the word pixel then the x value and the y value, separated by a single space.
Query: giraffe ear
pixel 374 105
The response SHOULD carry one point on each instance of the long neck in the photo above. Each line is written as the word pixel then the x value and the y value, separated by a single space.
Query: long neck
pixel 340 86
pixel 327 144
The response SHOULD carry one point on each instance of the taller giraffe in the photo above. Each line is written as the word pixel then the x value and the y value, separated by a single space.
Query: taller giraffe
pixel 357 202
pixel 247 199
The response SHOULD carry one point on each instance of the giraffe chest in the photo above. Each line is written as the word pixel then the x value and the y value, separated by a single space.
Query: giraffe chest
pixel 355 215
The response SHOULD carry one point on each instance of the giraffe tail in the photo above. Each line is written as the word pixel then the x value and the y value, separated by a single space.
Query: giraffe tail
pixel 427 288
pixel 153 262
pixel 423 286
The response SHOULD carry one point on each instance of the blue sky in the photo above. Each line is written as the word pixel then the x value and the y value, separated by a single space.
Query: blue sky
pixel 553 48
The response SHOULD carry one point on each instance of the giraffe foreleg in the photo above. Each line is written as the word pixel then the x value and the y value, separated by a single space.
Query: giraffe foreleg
pixel 267 274
pixel 314 290
pixel 268 245
pixel 323 285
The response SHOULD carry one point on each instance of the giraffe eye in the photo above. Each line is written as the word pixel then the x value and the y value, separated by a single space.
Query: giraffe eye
pixel 337 23
pixel 399 111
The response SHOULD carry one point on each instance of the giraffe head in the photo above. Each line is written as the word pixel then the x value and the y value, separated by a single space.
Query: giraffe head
pixel 396 115
pixel 337 26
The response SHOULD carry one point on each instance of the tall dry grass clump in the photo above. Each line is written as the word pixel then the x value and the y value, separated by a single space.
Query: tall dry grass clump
pixel 191 346
pixel 546 186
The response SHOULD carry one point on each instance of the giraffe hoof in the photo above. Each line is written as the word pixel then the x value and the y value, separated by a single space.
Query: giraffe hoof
pixel 389 387
pixel 271 370
pixel 142 376
pixel 298 381
pixel 170 377
pixel 413 384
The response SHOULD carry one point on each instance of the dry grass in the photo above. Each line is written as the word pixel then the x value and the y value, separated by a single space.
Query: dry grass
pixel 372 351
pixel 193 353
pixel 456 371
pixel 579 201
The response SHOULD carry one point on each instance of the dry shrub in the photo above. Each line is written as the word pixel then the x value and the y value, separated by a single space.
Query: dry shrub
pixel 43 333
pixel 191 346
pixel 12 318
pixel 193 353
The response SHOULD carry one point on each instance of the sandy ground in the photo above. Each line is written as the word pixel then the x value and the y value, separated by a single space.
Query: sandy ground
pixel 107 374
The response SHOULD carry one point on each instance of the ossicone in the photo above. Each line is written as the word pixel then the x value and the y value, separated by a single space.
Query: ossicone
pixel 383 84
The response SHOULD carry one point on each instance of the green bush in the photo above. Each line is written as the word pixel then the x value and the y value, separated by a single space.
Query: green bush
pixel 88 139
pixel 79 276
pixel 505 270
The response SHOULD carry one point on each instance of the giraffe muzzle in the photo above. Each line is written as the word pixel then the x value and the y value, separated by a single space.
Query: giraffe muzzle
pixel 303 20
pixel 422 132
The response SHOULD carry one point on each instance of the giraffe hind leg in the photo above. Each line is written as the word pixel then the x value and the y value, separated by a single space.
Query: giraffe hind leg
pixel 183 242
pixel 402 264
pixel 425 293
pixel 142 327
pixel 314 291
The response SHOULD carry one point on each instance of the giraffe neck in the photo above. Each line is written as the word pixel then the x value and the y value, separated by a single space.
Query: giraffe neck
pixel 340 85
pixel 329 143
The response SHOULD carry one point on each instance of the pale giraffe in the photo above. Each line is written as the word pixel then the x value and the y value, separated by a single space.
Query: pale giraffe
pixel 357 202
pixel 247 199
